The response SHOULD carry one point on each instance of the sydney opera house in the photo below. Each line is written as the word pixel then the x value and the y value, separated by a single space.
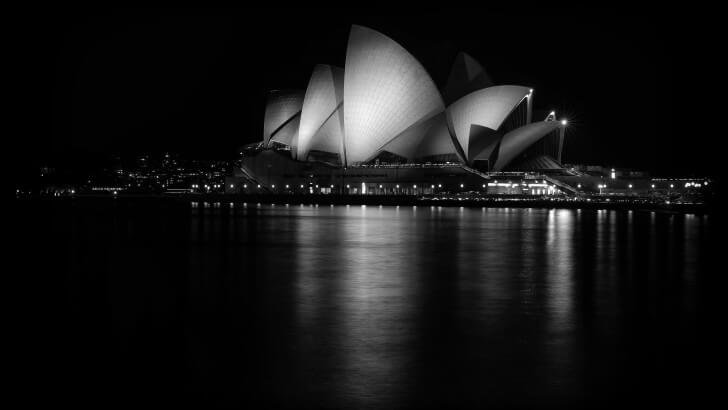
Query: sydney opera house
pixel 381 125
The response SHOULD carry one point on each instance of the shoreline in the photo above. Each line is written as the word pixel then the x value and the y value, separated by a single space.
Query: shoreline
pixel 374 200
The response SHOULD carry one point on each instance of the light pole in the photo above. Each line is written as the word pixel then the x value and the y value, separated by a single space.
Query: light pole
pixel 562 132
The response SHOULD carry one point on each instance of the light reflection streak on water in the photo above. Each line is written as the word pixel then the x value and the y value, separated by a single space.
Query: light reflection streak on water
pixel 376 299
pixel 368 298
pixel 560 271
pixel 560 265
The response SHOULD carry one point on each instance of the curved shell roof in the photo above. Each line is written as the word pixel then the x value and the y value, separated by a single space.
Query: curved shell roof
pixel 437 141
pixel 324 95
pixel 426 138
pixel 516 141
pixel 329 137
pixel 288 132
pixel 466 76
pixel 280 108
pixel 488 107
pixel 406 144
pixel 386 91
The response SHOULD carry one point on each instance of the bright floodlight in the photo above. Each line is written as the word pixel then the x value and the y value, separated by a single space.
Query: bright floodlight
pixel 563 122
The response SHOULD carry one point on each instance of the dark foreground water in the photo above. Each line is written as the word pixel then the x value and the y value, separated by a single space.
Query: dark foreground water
pixel 169 303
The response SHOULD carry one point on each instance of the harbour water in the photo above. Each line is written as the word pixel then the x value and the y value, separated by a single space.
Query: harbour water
pixel 220 304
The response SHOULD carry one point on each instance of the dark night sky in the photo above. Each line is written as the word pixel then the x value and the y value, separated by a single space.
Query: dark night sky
pixel 194 81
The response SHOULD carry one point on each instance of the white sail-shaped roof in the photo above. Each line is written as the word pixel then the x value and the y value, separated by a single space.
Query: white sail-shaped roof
pixel 329 137
pixel 466 76
pixel 324 95
pixel 437 141
pixel 288 133
pixel 407 143
pixel 280 108
pixel 386 90
pixel 516 141
pixel 488 107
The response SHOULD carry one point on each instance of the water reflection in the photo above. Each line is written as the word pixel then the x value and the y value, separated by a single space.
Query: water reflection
pixel 375 306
